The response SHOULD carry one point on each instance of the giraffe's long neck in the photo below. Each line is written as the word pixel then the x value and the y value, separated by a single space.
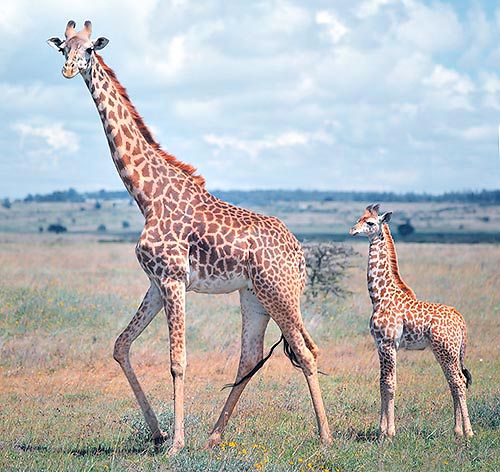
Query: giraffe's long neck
pixel 393 258
pixel 144 168
pixel 381 285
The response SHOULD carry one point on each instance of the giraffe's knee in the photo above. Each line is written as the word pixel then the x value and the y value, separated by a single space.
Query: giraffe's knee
pixel 177 369
pixel 310 344
pixel 388 386
pixel 121 349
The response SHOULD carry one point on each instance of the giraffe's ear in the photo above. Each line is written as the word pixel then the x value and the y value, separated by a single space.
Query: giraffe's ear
pixel 100 43
pixel 386 217
pixel 56 43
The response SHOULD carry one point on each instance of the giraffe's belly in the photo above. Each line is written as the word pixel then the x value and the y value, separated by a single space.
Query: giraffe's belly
pixel 413 341
pixel 205 283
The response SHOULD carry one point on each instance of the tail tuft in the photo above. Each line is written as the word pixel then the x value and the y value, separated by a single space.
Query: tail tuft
pixel 468 377
pixel 290 354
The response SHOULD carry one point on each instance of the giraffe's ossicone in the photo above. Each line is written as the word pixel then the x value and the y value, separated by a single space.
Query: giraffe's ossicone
pixel 193 241
pixel 400 320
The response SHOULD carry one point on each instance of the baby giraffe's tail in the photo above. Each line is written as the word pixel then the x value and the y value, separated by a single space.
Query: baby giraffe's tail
pixel 463 347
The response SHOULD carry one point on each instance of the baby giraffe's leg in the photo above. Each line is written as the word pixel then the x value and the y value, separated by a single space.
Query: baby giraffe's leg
pixel 387 358
pixel 449 362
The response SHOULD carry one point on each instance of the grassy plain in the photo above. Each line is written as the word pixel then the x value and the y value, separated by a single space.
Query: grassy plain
pixel 66 406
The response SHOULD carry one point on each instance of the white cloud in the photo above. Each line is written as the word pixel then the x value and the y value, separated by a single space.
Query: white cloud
pixel 431 28
pixel 48 137
pixel 449 79
pixel 335 29
pixel 475 133
pixel 480 133
pixel 197 110
pixel 491 82
pixel 491 88
pixel 286 17
pixel 372 7
pixel 171 59
pixel 254 147
pixel 448 89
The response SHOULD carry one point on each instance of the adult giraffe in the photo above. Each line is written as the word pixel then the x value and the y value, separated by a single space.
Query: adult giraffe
pixel 193 241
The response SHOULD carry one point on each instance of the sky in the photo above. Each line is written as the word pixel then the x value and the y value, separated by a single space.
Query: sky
pixel 384 95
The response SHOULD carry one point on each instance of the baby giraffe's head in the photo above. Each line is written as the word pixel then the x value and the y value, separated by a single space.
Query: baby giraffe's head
pixel 370 224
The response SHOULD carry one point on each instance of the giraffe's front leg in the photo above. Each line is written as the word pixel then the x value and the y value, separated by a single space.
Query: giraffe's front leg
pixel 387 358
pixel 174 294
pixel 149 308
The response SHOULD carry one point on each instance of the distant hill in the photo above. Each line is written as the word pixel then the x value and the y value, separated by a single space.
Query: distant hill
pixel 262 197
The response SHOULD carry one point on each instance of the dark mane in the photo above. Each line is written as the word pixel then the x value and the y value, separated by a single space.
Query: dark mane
pixel 393 258
pixel 144 130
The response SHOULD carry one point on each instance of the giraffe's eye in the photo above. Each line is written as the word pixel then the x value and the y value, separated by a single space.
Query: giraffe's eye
pixel 370 223
pixel 89 50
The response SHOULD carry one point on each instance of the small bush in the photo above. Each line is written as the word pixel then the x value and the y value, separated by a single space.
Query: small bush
pixel 326 263
pixel 406 229
pixel 57 228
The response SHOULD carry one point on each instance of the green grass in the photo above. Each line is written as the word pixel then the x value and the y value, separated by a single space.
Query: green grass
pixel 66 406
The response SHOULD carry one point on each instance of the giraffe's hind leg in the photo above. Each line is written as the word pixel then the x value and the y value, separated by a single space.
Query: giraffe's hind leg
pixel 448 359
pixel 289 320
pixel 149 308
pixel 305 352
pixel 254 324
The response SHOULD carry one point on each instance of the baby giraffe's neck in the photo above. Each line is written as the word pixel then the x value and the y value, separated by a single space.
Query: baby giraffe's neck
pixel 380 283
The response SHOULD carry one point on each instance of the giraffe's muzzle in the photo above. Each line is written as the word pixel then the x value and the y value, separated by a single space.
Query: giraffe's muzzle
pixel 69 71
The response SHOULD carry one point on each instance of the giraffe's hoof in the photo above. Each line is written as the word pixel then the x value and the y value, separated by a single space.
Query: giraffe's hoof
pixel 460 433
pixel 386 435
pixel 158 440
pixel 175 449
pixel 326 440
pixel 213 441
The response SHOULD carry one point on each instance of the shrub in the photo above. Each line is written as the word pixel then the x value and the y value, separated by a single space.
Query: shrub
pixel 326 265
pixel 57 228
pixel 406 229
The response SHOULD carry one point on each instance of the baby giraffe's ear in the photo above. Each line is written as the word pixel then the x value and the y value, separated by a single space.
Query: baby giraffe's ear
pixel 386 217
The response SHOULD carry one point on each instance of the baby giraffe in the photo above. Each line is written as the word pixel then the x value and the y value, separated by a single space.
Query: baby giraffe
pixel 399 320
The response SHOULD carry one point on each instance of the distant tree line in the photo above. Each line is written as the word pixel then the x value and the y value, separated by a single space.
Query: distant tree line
pixel 70 195
pixel 263 197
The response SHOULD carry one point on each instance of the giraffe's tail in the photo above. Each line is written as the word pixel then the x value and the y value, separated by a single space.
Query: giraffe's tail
pixel 288 352
pixel 261 363
pixel 463 347
pixel 468 377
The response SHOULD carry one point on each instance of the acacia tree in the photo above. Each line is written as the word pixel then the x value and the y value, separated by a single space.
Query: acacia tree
pixel 326 264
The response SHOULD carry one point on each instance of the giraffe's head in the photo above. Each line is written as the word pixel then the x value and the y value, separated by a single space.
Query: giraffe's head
pixel 370 224
pixel 77 48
